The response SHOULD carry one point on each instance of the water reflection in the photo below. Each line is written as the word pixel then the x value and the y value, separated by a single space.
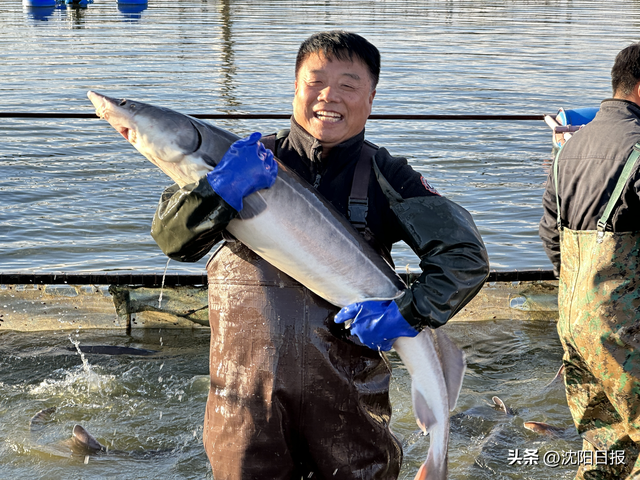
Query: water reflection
pixel 228 65
pixel 39 13
pixel 132 12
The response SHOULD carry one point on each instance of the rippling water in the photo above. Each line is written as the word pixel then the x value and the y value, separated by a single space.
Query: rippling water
pixel 75 196
pixel 149 410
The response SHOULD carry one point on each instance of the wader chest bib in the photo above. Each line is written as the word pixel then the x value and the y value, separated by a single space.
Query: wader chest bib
pixel 291 393
pixel 599 326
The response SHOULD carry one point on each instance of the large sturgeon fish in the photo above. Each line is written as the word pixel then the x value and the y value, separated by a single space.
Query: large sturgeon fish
pixel 301 234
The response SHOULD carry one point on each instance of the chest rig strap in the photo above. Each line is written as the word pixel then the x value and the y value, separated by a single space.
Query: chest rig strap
pixel 359 197
pixel 617 192
pixel 358 205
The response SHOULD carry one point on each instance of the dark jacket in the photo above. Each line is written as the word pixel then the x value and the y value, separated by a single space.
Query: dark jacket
pixel 589 166
pixel 402 206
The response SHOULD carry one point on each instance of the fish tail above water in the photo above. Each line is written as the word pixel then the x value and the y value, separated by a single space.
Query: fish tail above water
pixel 83 443
pixel 436 366
pixel 558 379
pixel 41 418
pixel 500 405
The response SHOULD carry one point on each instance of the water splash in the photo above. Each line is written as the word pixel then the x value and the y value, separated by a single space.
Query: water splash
pixel 164 274
pixel 85 363
pixel 78 384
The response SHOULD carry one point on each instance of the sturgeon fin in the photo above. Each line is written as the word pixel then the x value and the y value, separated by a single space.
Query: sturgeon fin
pixel 424 416
pixel 453 366
pixel 41 418
pixel 500 405
pixel 83 442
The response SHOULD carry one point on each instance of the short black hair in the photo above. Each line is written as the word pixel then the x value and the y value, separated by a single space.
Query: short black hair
pixel 341 45
pixel 625 73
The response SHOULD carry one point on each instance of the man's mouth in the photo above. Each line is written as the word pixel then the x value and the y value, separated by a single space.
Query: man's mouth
pixel 326 116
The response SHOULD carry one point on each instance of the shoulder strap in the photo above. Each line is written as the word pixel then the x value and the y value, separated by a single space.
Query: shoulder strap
pixel 359 196
pixel 555 184
pixel 617 192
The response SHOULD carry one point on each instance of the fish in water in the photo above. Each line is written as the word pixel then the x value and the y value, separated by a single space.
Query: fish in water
pixel 111 350
pixel 321 250
pixel 83 443
pixel 558 379
pixel 41 418
pixel 542 428
pixel 500 405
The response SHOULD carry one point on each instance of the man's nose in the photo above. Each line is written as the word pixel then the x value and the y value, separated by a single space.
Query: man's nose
pixel 328 94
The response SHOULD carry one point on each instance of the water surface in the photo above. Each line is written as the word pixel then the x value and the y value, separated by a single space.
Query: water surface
pixel 149 410
pixel 76 196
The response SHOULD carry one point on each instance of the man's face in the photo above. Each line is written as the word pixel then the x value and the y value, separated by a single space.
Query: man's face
pixel 333 98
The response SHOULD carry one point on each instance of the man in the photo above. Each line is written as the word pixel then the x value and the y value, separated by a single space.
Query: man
pixel 591 233
pixel 293 393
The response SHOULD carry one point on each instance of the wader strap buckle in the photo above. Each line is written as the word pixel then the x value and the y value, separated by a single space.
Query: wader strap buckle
pixel 601 229
pixel 357 211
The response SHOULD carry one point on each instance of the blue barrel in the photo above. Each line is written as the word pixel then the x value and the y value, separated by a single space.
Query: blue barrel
pixel 576 116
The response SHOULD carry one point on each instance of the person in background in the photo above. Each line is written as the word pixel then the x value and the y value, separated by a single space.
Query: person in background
pixel 294 393
pixel 591 232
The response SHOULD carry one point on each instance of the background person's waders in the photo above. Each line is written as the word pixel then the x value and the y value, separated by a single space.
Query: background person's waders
pixel 599 326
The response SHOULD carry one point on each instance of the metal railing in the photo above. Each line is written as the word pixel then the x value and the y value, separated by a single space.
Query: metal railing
pixel 279 116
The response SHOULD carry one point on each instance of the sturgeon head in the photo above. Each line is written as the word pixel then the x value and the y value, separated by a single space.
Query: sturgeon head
pixel 183 147
pixel 436 366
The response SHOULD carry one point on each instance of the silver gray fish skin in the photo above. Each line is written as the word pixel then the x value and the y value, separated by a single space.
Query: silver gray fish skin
pixel 437 368
pixel 301 234
pixel 288 225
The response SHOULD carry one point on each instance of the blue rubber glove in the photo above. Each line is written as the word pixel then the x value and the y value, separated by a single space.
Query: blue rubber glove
pixel 376 323
pixel 246 168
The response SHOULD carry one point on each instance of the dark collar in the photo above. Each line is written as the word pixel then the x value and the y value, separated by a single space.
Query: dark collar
pixel 620 102
pixel 309 147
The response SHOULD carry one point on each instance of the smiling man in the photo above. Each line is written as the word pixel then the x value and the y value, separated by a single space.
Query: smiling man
pixel 293 392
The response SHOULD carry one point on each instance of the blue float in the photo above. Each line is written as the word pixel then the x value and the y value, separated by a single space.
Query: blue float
pixel 132 2
pixel 39 3
pixel 576 116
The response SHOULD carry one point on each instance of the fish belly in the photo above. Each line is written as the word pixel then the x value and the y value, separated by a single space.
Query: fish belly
pixel 302 236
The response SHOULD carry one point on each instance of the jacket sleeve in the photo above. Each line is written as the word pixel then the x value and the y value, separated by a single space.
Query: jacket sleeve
pixel 548 229
pixel 190 220
pixel 453 257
